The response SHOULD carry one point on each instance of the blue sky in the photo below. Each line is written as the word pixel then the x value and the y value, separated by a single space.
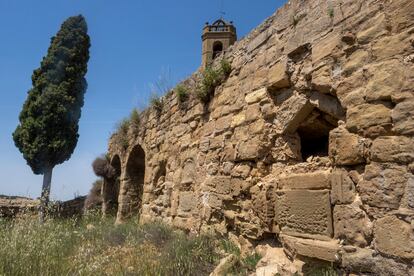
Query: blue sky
pixel 133 43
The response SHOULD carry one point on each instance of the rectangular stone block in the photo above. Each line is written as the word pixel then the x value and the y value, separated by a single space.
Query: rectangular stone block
pixel 324 47
pixel 323 250
pixel 308 181
pixel 278 77
pixel 291 113
pixel 398 149
pixel 218 184
pixel 304 212
pixel 343 188
pixel 256 96
pixel 394 237
pixel 187 203
pixel 369 119
pixel 346 148
pixel 402 117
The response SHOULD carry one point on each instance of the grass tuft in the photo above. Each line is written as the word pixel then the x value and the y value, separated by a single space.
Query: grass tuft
pixel 182 93
pixel 121 133
pixel 156 102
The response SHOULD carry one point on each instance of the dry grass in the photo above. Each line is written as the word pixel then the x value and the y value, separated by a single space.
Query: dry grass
pixel 93 246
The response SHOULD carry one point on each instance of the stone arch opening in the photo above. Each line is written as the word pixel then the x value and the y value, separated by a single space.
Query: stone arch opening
pixel 217 48
pixel 314 134
pixel 133 183
pixel 307 119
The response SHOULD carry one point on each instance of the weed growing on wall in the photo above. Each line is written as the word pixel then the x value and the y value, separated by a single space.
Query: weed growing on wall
pixel 182 93
pixel 156 102
pixel 121 133
pixel 211 78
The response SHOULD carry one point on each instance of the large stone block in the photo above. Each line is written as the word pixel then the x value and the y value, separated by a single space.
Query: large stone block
pixel 256 96
pixel 352 225
pixel 343 188
pixel 391 46
pixel 291 113
pixel 385 81
pixel 373 28
pixel 222 124
pixel 322 80
pixel 278 76
pixel 308 181
pixel 346 148
pixel 369 119
pixel 398 149
pixel 219 184
pixel 366 261
pixel 394 237
pixel 187 203
pixel 356 60
pixel 323 250
pixel 304 212
pixel 383 185
pixel 403 117
pixel 327 104
pixel 249 150
pixel 325 47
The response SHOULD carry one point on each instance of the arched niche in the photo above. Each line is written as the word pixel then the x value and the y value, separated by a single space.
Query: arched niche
pixel 110 189
pixel 132 185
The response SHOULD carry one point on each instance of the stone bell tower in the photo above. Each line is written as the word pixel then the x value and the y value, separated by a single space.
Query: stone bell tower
pixel 217 38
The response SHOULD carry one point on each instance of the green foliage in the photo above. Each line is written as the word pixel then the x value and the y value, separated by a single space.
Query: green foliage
pixel 251 261
pixel 211 78
pixel 225 67
pixel 331 12
pixel 182 93
pixel 295 20
pixel 156 102
pixel 134 118
pixel 229 247
pixel 94 246
pixel 48 130
pixel 121 134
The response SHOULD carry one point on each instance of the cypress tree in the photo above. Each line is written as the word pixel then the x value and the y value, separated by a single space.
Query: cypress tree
pixel 48 130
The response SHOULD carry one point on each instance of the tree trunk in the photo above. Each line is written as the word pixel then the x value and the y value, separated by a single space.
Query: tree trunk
pixel 44 199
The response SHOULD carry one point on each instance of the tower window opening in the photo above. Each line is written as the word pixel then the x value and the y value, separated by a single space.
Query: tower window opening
pixel 217 49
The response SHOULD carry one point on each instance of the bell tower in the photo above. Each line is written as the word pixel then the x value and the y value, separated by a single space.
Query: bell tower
pixel 217 38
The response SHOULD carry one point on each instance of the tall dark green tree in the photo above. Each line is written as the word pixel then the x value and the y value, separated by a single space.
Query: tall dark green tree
pixel 48 130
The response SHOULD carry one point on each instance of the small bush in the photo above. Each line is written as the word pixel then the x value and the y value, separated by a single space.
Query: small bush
pixel 156 102
pixel 295 20
pixel 212 78
pixel 182 93
pixel 121 134
pixel 331 12
pixel 134 118
pixel 225 67
pixel 103 168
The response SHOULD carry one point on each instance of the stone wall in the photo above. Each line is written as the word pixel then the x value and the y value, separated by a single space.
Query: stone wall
pixel 309 140
pixel 13 206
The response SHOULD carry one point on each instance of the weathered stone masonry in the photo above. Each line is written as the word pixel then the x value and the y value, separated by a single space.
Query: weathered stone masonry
pixel 310 140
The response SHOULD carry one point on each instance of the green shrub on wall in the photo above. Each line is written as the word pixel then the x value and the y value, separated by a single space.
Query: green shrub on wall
pixel 182 93
pixel 211 78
